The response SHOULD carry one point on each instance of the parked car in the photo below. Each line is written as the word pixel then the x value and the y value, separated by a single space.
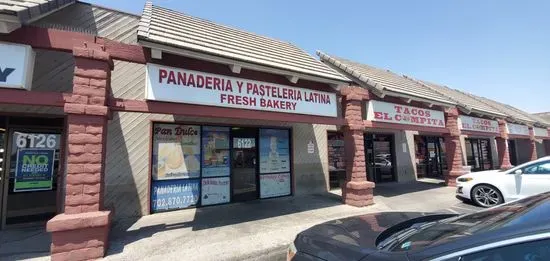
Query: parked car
pixel 518 230
pixel 494 187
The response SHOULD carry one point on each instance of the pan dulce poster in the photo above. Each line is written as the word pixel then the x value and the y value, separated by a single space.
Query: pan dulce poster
pixel 176 151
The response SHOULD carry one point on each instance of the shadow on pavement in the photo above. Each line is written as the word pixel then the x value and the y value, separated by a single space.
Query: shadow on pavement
pixel 218 216
pixel 396 189
pixel 24 243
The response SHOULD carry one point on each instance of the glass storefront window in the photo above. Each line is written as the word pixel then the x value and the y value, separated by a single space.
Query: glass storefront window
pixel 32 174
pixel 274 163
pixel 379 157
pixel 430 156
pixel 196 165
pixel 175 166
pixel 336 159
pixel 478 154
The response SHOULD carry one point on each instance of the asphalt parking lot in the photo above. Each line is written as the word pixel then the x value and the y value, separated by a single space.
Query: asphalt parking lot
pixel 413 196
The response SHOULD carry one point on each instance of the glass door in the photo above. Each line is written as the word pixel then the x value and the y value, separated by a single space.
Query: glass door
pixel 3 152
pixel 512 152
pixel 244 164
pixel 379 157
pixel 478 154
pixel 485 152
pixel 434 157
pixel 30 190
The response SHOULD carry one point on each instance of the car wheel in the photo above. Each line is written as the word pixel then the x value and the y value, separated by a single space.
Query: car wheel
pixel 486 196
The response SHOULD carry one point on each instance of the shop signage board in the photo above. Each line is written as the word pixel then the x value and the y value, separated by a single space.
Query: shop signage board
pixel 215 191
pixel 478 124
pixel 274 151
pixel 402 114
pixel 34 169
pixel 16 72
pixel 274 185
pixel 215 151
pixel 174 194
pixel 540 132
pixel 517 129
pixel 176 151
pixel 194 87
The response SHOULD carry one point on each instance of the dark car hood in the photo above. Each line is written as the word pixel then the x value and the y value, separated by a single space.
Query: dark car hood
pixel 350 238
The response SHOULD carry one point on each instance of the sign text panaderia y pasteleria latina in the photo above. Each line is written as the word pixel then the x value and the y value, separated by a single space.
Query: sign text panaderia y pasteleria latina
pixel 194 87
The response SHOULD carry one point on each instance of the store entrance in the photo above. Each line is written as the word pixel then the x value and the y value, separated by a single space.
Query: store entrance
pixel 244 164
pixel 512 152
pixel 29 158
pixel 379 157
pixel 430 156
pixel 478 154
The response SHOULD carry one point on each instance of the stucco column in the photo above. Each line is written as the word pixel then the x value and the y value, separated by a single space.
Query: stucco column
pixel 502 146
pixel 453 148
pixel 356 191
pixel 532 145
pixel 81 232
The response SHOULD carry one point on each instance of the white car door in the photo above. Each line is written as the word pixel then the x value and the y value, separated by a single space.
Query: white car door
pixel 534 179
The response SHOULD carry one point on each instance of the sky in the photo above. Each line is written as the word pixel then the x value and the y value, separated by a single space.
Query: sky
pixel 499 49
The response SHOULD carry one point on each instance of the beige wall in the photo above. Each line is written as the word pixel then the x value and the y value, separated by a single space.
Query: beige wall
pixel 127 159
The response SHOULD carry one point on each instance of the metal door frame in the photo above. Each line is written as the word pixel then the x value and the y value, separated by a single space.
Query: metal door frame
pixel 370 160
pixel 437 147
pixel 256 166
pixel 2 174
pixel 4 185
pixel 477 143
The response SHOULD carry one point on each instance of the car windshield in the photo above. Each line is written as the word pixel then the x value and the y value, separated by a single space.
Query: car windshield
pixel 532 209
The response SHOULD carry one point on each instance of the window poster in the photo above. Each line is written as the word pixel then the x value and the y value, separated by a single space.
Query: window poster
pixel 215 151
pixel 34 170
pixel 274 185
pixel 174 194
pixel 215 191
pixel 176 151
pixel 274 151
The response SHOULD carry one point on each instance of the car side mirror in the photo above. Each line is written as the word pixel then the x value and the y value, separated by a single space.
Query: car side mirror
pixel 518 172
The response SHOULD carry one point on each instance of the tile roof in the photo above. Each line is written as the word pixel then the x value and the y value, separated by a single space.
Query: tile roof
pixel 26 10
pixel 545 116
pixel 384 81
pixel 464 101
pixel 513 112
pixel 172 28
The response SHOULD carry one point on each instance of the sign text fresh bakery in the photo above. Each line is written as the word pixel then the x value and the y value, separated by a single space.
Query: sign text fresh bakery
pixel 402 114
pixel 194 87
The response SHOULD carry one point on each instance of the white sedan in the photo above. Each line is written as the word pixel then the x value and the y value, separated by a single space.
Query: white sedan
pixel 493 187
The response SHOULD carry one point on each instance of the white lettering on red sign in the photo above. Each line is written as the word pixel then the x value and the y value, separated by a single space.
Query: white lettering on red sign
pixel 517 129
pixel 541 132
pixel 194 87
pixel 403 114
pixel 478 124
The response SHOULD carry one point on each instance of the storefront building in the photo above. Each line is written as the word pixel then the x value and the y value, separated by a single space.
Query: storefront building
pixel 164 111
pixel 129 121
pixel 419 129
